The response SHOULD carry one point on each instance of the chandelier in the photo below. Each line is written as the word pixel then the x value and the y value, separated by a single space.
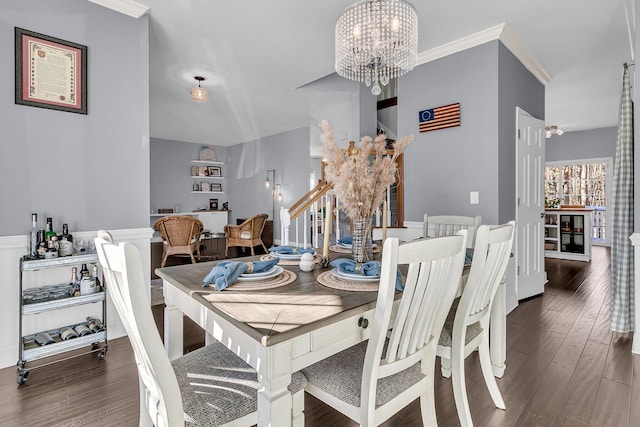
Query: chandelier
pixel 198 93
pixel 376 41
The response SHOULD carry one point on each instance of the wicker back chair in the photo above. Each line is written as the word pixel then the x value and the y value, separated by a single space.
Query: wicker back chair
pixel 180 235
pixel 247 235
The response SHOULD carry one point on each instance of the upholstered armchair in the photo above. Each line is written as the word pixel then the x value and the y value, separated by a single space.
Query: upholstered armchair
pixel 180 235
pixel 246 235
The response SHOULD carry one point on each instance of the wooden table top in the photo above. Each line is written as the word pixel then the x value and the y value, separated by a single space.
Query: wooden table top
pixel 273 315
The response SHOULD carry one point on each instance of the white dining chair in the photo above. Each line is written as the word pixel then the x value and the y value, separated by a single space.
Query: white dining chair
pixel 210 386
pixel 448 225
pixel 467 326
pixel 375 379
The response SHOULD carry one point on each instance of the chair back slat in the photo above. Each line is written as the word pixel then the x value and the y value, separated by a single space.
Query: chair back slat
pixel 434 269
pixel 448 225
pixel 124 277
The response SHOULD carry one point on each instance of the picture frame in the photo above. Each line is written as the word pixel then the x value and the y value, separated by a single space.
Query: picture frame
pixel 196 186
pixel 214 171
pixel 213 204
pixel 37 58
pixel 208 153
pixel 216 186
pixel 204 186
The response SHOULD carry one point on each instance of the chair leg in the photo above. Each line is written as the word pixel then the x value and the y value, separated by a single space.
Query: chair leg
pixel 226 250
pixel 487 372
pixel 252 252
pixel 164 259
pixel 459 385
pixel 427 400
pixel 297 409
pixel 445 366
pixel 266 251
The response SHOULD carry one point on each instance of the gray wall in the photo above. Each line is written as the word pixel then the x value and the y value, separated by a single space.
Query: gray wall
pixel 442 167
pixel 91 171
pixel 171 182
pixel 287 153
pixel 636 126
pixel 517 87
pixel 588 144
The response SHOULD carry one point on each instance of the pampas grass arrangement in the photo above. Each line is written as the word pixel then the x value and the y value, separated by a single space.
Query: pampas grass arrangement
pixel 361 177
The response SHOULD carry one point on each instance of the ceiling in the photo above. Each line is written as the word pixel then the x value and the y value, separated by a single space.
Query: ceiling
pixel 254 54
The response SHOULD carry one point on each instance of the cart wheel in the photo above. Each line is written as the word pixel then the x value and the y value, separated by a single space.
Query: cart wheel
pixel 95 346
pixel 20 364
pixel 102 354
pixel 22 378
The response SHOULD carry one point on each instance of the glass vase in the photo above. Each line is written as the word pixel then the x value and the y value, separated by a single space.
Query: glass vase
pixel 361 246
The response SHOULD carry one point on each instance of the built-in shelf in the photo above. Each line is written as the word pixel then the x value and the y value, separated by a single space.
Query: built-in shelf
pixel 207 192
pixel 205 162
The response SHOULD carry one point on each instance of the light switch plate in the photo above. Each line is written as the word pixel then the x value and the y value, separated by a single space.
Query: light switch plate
pixel 474 198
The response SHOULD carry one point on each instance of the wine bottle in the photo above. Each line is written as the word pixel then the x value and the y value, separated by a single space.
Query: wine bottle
pixel 82 329
pixel 33 237
pixel 94 324
pixel 43 338
pixel 75 282
pixel 66 333
pixel 52 250
pixel 65 242
pixel 49 233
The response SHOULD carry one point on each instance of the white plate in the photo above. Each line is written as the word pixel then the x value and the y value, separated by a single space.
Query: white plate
pixel 253 278
pixel 262 273
pixel 354 277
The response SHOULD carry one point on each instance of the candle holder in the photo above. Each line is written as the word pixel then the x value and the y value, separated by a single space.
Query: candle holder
pixel 324 262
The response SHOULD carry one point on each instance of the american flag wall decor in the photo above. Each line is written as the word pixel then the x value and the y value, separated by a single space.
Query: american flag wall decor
pixel 440 117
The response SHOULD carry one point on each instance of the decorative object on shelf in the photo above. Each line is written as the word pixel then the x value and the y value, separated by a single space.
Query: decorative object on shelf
pixel 214 186
pixel 550 130
pixel 214 171
pixel 165 211
pixel 196 187
pixel 376 41
pixel 204 186
pixel 360 177
pixel 38 58
pixel 213 204
pixel 207 153
pixel 436 118
pixel 198 93
pixel 225 206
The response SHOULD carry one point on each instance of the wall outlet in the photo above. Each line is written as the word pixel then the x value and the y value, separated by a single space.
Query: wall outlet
pixel 474 198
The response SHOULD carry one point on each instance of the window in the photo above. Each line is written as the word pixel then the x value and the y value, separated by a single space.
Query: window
pixel 581 183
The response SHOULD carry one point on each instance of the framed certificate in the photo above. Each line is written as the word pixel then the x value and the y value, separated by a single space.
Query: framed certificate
pixel 50 72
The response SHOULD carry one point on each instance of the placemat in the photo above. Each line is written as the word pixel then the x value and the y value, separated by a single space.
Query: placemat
pixel 341 250
pixel 282 279
pixel 329 280
pixel 296 262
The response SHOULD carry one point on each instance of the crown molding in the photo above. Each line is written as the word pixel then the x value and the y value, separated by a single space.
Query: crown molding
pixel 499 32
pixel 127 7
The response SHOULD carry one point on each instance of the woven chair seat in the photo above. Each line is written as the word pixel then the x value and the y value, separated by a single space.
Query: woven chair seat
pixel 180 236
pixel 211 381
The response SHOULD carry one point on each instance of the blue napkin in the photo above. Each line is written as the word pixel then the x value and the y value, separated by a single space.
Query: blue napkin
pixel 226 272
pixel 289 250
pixel 371 268
pixel 468 256
pixel 346 240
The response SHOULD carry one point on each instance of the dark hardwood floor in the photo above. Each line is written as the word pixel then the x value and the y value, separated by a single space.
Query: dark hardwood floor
pixel 564 368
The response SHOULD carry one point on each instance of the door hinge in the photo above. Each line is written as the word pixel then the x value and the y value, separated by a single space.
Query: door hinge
pixel 518 270
pixel 518 133
pixel 518 202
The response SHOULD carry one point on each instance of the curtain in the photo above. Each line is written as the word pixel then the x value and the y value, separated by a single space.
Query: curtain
pixel 622 283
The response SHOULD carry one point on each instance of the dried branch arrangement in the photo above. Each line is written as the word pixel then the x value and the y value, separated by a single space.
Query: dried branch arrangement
pixel 361 176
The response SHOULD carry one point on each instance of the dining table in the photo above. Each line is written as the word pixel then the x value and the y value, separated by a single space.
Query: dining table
pixel 283 329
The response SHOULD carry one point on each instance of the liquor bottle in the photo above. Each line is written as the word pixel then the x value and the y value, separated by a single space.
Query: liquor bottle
pixel 65 242
pixel 66 333
pixel 42 244
pixel 33 237
pixel 49 233
pixel 52 250
pixel 94 324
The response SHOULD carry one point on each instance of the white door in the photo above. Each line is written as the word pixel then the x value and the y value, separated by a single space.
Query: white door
pixel 530 274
